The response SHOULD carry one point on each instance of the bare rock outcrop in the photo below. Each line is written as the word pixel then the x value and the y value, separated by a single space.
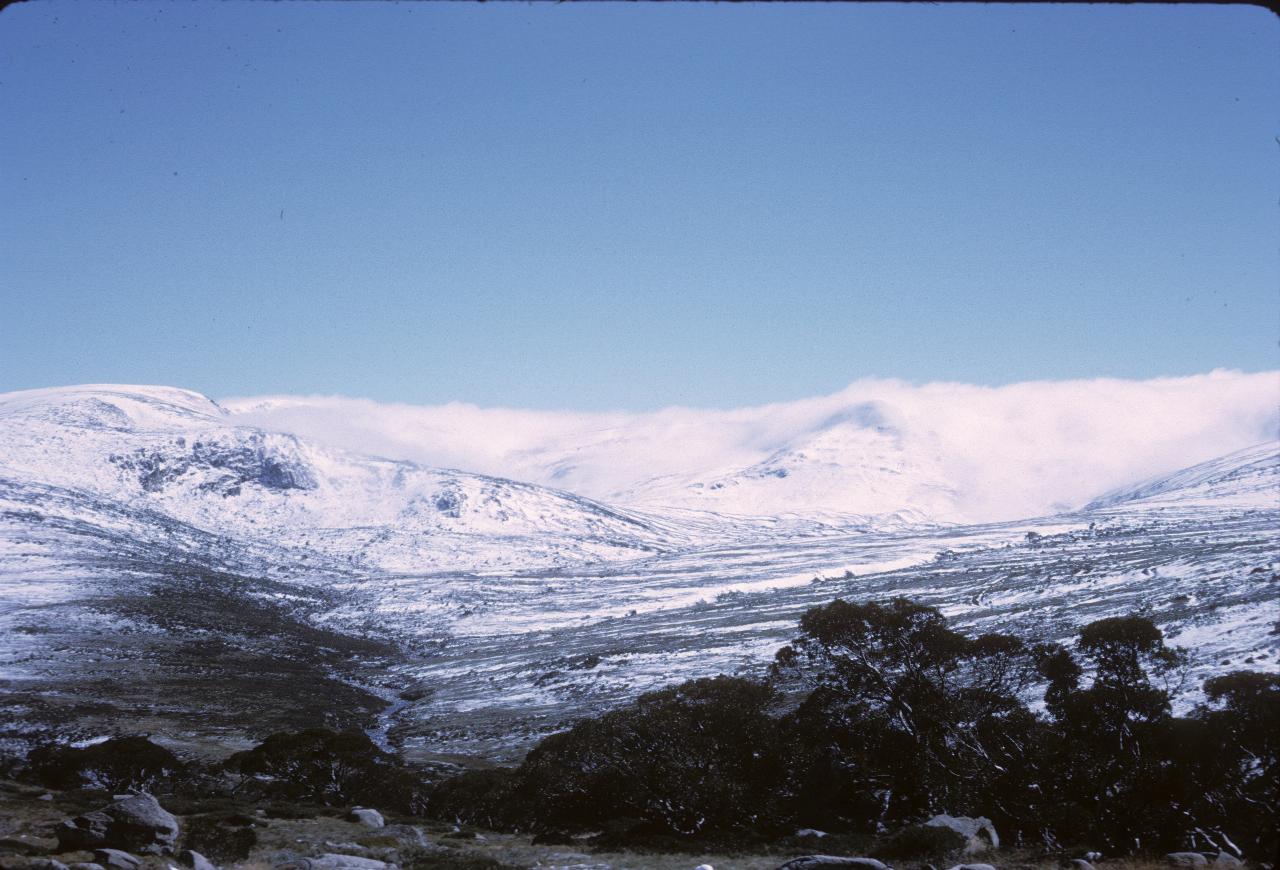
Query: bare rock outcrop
pixel 136 823
pixel 979 833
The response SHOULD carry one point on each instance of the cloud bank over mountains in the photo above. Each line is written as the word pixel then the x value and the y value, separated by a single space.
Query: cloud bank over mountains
pixel 944 451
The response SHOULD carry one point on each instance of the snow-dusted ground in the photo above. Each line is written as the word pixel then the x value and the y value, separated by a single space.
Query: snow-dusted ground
pixel 529 649
pixel 163 568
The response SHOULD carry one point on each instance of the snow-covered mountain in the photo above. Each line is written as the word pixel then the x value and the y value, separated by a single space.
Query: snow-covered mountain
pixel 854 461
pixel 165 565
pixel 180 454
pixel 852 464
pixel 949 452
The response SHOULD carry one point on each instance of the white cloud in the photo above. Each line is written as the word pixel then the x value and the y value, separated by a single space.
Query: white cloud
pixel 956 451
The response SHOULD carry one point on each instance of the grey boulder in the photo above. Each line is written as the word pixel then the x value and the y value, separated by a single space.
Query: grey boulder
pixel 347 862
pixel 367 817
pixel 83 832
pixel 1227 861
pixel 194 860
pixel 335 862
pixel 820 862
pixel 137 823
pixel 978 832
pixel 114 859
pixel 1186 859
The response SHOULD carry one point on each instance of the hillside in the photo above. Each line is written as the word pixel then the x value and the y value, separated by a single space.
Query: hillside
pixel 178 454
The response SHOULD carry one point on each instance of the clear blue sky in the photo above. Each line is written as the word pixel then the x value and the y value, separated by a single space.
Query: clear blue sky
pixel 628 206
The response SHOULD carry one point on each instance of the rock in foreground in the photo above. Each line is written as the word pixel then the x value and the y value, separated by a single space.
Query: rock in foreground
pixel 134 824
pixel 367 817
pixel 822 862
pixel 979 833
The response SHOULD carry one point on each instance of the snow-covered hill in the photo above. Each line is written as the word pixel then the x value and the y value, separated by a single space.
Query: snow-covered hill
pixel 1248 478
pixel 180 454
pixel 165 566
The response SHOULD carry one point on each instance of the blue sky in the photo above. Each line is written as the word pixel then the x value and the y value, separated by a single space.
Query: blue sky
pixel 628 206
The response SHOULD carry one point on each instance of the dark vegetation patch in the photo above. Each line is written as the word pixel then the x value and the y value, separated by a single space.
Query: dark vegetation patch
pixel 220 838
pixel 120 764
pixel 245 609
pixel 330 768
pixel 899 718
pixel 875 718
pixel 290 775
pixel 931 844
pixel 477 797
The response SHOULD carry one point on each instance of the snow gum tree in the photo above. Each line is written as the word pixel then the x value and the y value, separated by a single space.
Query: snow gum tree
pixel 905 717
pixel 694 757
pixel 1110 704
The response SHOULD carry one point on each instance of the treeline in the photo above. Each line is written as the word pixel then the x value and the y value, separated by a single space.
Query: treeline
pixel 877 717
pixel 880 715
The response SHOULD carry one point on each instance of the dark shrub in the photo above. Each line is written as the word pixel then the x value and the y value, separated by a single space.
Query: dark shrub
pixel 219 838
pixel 117 765
pixel 476 797
pixel 929 843
pixel 896 717
pixel 905 717
pixel 697 757
pixel 330 768
pixel 1241 800
pixel 553 838
pixel 1110 706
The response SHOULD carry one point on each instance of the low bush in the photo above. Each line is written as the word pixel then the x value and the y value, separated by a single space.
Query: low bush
pixel 892 716
pixel 330 768
pixel 120 764
pixel 219 838
pixel 927 843
pixel 697 757
pixel 476 797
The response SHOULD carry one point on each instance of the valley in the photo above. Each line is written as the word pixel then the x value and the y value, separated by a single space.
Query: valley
pixel 221 582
